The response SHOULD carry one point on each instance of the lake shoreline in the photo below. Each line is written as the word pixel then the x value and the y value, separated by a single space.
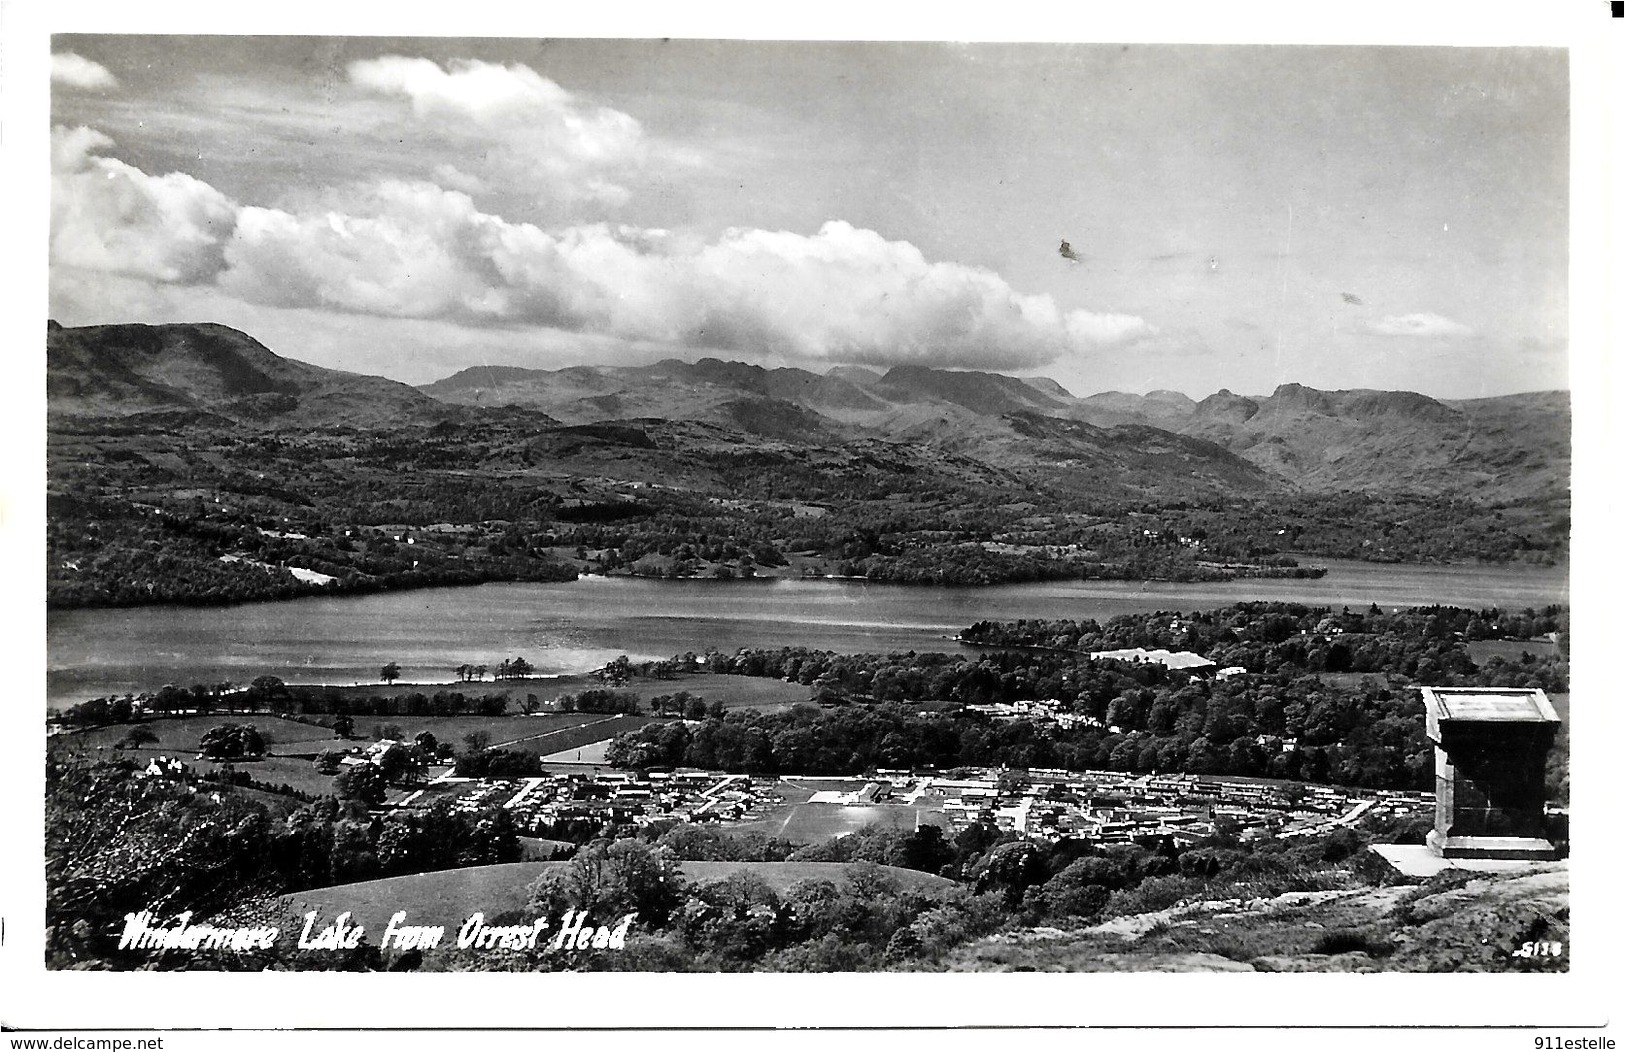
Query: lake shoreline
pixel 1323 566
pixel 570 628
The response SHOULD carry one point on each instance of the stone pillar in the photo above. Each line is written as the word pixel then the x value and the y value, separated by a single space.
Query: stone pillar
pixel 1490 749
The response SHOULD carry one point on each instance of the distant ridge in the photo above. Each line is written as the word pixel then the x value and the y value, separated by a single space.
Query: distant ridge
pixel 1506 448
pixel 203 368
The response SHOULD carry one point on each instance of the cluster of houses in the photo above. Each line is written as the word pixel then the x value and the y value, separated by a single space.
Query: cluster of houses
pixel 606 796
pixel 1111 807
pixel 1104 806
pixel 167 767
pixel 359 755
pixel 1052 711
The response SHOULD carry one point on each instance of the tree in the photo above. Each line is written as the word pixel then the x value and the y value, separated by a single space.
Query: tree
pixel 476 742
pixel 390 672
pixel 399 762
pixel 136 738
pixel 363 782
pixel 266 689
pixel 231 741
pixel 617 672
pixel 1009 869
pixel 344 726
pixel 609 877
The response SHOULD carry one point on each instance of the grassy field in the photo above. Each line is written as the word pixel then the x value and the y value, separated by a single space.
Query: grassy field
pixel 446 897
pixel 279 770
pixel 299 774
pixel 449 897
pixel 1481 650
pixel 735 692
pixel 801 822
pixel 288 761
pixel 596 754
pixel 814 823
pixel 180 734
pixel 544 732
pixel 178 737
pixel 589 729
pixel 280 806
pixel 454 728
pixel 540 849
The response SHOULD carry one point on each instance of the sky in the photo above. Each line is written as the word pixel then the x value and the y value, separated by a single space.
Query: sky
pixel 1240 216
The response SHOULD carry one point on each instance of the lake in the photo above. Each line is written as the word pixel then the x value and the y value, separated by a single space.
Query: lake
pixel 577 626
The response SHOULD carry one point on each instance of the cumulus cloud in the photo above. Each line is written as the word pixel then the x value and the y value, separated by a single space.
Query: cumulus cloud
pixel 1420 324
pixel 109 216
pixel 415 250
pixel 76 71
pixel 530 131
pixel 405 249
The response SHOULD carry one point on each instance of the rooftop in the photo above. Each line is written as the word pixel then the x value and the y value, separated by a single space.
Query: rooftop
pixel 1487 705
pixel 1170 659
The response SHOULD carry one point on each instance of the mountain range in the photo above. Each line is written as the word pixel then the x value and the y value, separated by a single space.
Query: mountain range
pixel 1502 449
pixel 1507 448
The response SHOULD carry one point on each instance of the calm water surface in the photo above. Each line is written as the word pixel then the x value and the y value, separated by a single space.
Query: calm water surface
pixel 576 626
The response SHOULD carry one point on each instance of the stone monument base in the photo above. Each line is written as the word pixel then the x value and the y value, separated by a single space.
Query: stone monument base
pixel 1417 861
pixel 1526 848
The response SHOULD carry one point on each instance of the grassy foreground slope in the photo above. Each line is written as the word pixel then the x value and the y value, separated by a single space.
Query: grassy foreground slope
pixel 1455 922
pixel 449 897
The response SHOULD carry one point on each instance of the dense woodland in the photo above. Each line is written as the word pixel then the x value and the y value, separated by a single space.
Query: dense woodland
pixel 1323 699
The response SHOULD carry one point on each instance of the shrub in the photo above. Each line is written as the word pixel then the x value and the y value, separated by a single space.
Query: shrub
pixel 1353 940
pixel 1154 893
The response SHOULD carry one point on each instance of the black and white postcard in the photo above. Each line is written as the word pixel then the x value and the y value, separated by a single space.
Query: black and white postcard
pixel 577 501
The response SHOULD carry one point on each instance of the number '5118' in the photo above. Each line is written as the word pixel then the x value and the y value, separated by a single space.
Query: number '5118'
pixel 1539 949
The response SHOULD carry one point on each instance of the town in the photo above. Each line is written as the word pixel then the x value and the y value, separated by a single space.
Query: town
pixel 1099 806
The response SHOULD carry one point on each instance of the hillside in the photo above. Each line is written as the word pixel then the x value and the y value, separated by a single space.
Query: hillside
pixel 1511 448
pixel 190 463
pixel 668 390
pixel 210 376
pixel 1455 922
pixel 449 896
pixel 1508 449
pixel 194 372
pixel 998 420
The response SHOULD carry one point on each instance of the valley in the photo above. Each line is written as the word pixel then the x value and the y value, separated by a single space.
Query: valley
pixel 189 463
